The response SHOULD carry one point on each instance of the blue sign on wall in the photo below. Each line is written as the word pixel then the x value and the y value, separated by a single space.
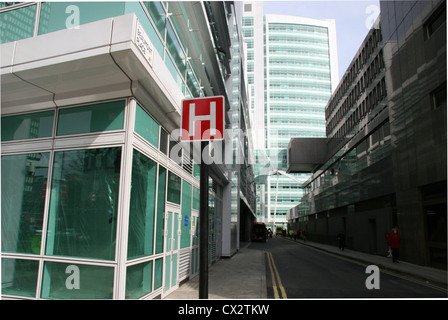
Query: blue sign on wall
pixel 186 221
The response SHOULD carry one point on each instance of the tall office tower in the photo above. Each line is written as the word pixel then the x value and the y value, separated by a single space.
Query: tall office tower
pixel 253 37
pixel 300 73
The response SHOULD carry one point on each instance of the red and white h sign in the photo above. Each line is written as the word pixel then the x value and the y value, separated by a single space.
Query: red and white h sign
pixel 203 119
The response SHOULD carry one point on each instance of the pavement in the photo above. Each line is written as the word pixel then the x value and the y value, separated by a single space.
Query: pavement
pixel 243 276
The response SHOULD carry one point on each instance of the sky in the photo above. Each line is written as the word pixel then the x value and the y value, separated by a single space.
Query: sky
pixel 354 19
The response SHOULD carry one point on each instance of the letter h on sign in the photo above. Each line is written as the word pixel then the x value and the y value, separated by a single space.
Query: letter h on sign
pixel 203 119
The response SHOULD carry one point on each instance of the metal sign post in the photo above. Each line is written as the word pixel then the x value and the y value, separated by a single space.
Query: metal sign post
pixel 203 230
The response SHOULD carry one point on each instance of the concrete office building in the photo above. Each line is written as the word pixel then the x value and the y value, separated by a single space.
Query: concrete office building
pixel 300 73
pixel 383 163
pixel 97 191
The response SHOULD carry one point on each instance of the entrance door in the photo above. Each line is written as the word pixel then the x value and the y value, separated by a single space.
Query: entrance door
pixel 172 232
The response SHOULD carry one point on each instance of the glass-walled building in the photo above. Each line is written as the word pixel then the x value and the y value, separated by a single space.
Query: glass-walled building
pixel 299 58
pixel 100 200
pixel 301 73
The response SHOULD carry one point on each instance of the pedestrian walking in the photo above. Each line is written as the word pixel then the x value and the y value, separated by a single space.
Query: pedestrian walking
pixel 395 243
pixel 341 241
pixel 295 235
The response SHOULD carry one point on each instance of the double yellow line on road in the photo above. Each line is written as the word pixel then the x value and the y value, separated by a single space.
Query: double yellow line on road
pixel 276 281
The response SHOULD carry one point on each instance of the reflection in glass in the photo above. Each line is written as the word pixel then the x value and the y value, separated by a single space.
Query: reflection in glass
pixel 142 206
pixel 186 214
pixel 17 24
pixel 19 277
pixel 94 118
pixel 138 280
pixel 175 48
pixel 160 210
pixel 158 270
pixel 157 13
pixel 24 181
pixel 192 84
pixel 27 126
pixel 178 78
pixel 146 126
pixel 77 281
pixel 56 15
pixel 173 188
pixel 196 195
pixel 83 203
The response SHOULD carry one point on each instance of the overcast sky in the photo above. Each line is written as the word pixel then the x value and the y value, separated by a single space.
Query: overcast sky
pixel 353 20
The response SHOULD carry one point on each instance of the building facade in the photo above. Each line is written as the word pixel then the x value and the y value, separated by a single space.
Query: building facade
pixel 300 73
pixel 385 162
pixel 242 166
pixel 96 184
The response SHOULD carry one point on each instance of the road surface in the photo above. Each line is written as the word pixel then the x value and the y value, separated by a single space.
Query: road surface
pixel 294 270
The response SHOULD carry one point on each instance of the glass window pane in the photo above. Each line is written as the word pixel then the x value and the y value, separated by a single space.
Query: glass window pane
pixel 146 126
pixel 138 280
pixel 176 26
pixel 157 14
pixel 83 203
pixel 192 83
pixel 56 15
pixel 160 223
pixel 163 145
pixel 175 48
pixel 27 126
pixel 195 198
pixel 196 170
pixel 175 152
pixel 142 206
pixel 77 281
pixel 173 188
pixel 158 271
pixel 175 73
pixel 24 182
pixel 93 118
pixel 19 277
pixel 186 215
pixel 17 24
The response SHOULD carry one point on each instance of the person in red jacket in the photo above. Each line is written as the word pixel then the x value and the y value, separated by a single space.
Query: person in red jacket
pixel 394 242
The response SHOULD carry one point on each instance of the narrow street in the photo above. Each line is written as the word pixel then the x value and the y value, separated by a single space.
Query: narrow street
pixel 294 270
